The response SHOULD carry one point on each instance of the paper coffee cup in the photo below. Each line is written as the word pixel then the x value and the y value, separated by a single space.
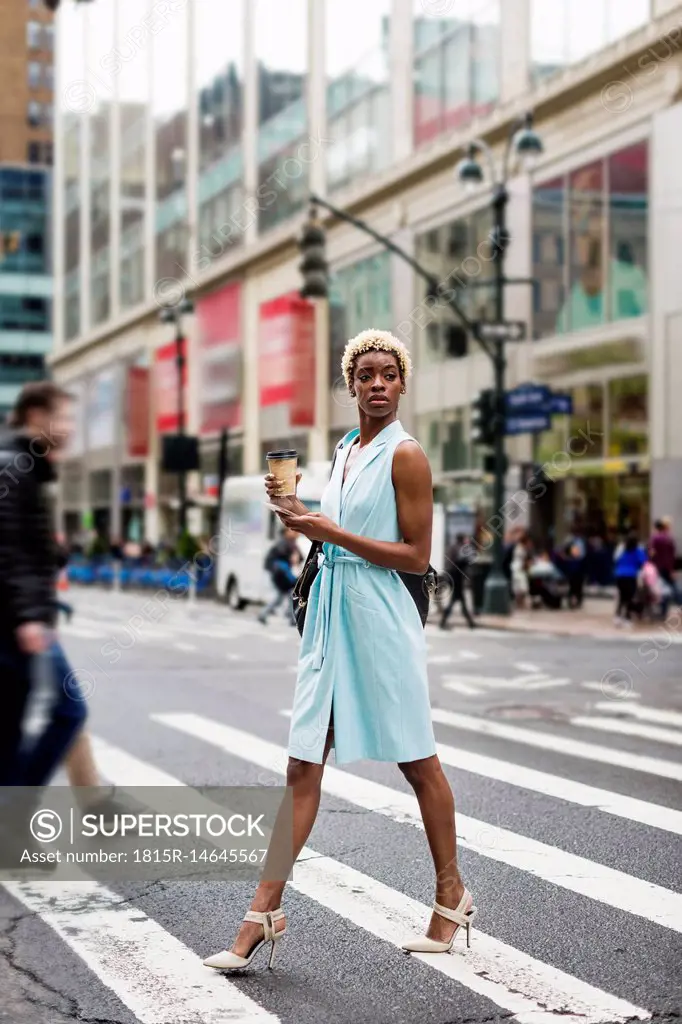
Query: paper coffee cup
pixel 283 466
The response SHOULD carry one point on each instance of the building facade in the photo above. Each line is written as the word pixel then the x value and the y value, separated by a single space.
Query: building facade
pixel 189 137
pixel 25 279
pixel 26 126
pixel 26 82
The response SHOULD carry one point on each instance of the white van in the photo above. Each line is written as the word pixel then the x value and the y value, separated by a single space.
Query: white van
pixel 248 529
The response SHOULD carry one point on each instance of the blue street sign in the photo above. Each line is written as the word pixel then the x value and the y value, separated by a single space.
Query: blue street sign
pixel 527 398
pixel 561 404
pixel 527 423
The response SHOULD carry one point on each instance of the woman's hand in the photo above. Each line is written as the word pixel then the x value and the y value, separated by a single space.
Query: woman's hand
pixel 287 502
pixel 313 525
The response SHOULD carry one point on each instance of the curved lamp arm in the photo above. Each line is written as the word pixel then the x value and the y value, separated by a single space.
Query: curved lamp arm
pixel 516 127
pixel 481 146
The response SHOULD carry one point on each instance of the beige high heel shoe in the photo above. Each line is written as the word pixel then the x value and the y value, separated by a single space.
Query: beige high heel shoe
pixel 463 916
pixel 227 961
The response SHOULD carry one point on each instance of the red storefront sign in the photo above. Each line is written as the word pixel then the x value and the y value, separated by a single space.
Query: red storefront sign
pixel 302 408
pixel 286 360
pixel 137 411
pixel 166 387
pixel 220 359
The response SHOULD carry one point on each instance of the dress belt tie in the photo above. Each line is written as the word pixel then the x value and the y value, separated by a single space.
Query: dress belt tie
pixel 327 560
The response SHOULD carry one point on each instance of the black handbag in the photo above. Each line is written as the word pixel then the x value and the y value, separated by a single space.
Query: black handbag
pixel 419 585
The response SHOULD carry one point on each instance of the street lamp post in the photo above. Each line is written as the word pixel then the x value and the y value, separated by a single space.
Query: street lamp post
pixel 173 315
pixel 522 142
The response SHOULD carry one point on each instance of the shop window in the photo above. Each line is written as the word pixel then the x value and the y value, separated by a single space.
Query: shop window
pixel 33 114
pixel 34 35
pixel 587 425
pixel 587 271
pixel 628 416
pixel 34 72
pixel 606 206
pixel 456 64
pixel 628 209
pixel 564 32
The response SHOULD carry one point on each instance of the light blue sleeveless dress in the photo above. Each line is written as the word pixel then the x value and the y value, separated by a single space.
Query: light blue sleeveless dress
pixel 363 651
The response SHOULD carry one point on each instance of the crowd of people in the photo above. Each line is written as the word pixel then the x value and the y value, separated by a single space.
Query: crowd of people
pixel 642 571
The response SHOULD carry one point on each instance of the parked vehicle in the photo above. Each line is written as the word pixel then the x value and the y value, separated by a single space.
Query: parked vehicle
pixel 248 529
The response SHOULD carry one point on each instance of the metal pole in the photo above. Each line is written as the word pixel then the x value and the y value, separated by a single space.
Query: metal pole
pixel 182 478
pixel 217 540
pixel 496 591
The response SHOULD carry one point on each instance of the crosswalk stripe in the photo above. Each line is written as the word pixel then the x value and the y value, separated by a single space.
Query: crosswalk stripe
pixel 560 744
pixel 567 870
pixel 155 975
pixel 639 729
pixel 659 716
pixel 530 989
pixel 630 808
pixel 82 632
pixel 555 786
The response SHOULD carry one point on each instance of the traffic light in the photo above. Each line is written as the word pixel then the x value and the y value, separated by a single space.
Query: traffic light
pixel 484 418
pixel 313 265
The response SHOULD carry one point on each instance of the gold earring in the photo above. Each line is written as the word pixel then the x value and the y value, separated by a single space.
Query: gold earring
pixel 403 390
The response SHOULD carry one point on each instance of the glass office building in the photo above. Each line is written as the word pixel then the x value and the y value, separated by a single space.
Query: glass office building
pixel 25 279
pixel 190 136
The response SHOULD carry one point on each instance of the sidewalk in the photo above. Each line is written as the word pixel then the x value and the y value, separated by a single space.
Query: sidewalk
pixel 594 619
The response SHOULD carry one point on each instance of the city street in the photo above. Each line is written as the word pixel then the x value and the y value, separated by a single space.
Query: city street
pixel 564 755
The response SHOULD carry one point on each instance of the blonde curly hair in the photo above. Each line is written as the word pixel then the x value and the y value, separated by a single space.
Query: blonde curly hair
pixel 373 340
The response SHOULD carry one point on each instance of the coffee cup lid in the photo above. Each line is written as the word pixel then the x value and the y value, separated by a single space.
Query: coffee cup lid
pixel 289 453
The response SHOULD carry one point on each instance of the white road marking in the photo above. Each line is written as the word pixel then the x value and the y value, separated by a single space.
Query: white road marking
pixel 464 688
pixel 439 659
pixel 639 729
pixel 563 789
pixel 660 716
pixel 180 646
pixel 158 978
pixel 560 744
pixel 82 632
pixel 530 989
pixel 577 874
pixel 533 681
pixel 604 688
pixel 526 666
pixel 555 786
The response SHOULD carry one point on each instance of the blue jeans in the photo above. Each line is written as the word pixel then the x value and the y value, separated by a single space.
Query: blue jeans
pixel 41 756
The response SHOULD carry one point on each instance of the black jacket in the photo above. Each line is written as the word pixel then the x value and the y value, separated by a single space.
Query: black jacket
pixel 28 552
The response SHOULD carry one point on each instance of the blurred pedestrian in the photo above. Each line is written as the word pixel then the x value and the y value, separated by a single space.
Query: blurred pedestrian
pixel 279 564
pixel 458 560
pixel 29 563
pixel 629 560
pixel 664 550
pixel 520 561
pixel 574 555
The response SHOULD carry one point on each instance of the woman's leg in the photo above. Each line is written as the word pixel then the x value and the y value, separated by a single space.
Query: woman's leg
pixel 305 779
pixel 620 603
pixel 437 806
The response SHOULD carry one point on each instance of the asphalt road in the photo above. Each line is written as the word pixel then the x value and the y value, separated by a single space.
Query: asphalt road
pixel 564 755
